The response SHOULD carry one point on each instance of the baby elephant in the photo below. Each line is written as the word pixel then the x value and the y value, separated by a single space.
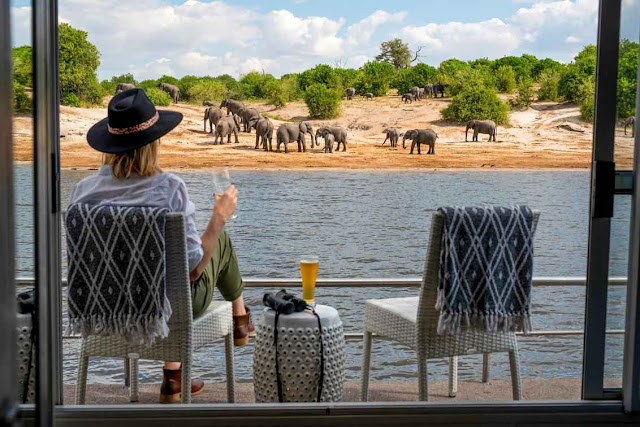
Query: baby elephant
pixel 419 137
pixel 226 126
pixel 328 142
pixel 481 126
pixel 408 97
pixel 208 103
pixel 368 95
pixel 392 136
pixel 631 121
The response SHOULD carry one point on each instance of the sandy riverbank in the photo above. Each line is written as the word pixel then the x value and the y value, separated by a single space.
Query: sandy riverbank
pixel 531 141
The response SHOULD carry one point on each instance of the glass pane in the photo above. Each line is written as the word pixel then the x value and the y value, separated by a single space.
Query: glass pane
pixel 23 192
pixel 366 212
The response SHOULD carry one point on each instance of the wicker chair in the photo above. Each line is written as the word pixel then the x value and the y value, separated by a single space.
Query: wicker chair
pixel 186 334
pixel 413 322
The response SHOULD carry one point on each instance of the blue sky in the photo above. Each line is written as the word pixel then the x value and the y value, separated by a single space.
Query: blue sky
pixel 153 37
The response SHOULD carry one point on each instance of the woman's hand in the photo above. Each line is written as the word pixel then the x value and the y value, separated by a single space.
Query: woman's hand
pixel 225 205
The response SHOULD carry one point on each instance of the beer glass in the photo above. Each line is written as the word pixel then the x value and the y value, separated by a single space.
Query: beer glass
pixel 309 272
pixel 221 182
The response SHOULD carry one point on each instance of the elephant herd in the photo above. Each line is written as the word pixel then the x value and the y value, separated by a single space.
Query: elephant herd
pixel 240 117
pixel 172 90
pixel 429 90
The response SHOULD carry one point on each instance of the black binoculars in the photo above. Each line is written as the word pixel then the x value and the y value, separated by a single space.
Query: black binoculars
pixel 283 302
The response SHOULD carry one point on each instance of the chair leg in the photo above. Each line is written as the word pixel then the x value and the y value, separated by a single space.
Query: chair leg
pixel 453 376
pixel 127 373
pixel 423 386
pixel 231 381
pixel 366 365
pixel 133 377
pixel 486 358
pixel 81 385
pixel 186 380
pixel 516 383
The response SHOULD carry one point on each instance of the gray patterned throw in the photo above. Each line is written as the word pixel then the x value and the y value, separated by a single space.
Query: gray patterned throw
pixel 117 272
pixel 486 265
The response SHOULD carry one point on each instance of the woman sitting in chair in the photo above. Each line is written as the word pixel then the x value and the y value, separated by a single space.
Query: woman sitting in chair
pixel 130 176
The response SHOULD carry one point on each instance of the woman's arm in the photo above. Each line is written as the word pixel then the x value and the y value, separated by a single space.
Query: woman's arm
pixel 223 208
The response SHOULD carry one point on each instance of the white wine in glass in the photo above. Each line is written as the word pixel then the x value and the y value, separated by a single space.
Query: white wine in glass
pixel 221 182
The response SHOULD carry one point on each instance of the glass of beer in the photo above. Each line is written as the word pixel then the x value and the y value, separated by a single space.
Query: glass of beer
pixel 309 272
pixel 221 182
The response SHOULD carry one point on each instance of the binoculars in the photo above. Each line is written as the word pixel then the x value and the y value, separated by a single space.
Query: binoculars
pixel 283 302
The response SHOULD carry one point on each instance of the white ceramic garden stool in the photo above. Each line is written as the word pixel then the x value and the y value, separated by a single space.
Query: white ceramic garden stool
pixel 299 356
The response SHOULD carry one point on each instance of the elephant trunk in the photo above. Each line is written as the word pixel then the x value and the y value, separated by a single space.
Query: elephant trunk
pixel 466 132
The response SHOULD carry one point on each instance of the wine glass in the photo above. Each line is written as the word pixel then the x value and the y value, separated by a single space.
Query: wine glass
pixel 221 182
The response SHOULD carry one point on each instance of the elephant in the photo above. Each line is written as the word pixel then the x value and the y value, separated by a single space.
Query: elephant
pixel 121 87
pixel 420 93
pixel 232 105
pixel 392 136
pixel 213 115
pixel 226 126
pixel 350 92
pixel 418 137
pixel 246 114
pixel 339 135
pixel 264 131
pixel 172 90
pixel 631 121
pixel 328 142
pixel 368 95
pixel 481 126
pixel 438 88
pixel 428 90
pixel 414 91
pixel 208 103
pixel 290 132
pixel 408 97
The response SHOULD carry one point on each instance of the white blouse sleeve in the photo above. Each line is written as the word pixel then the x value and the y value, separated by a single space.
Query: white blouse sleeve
pixel 180 203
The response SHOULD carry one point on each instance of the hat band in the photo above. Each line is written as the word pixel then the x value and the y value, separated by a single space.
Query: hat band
pixel 133 129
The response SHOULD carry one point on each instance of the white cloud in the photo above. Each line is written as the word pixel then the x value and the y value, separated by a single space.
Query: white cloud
pixel 361 32
pixel 20 25
pixel 572 39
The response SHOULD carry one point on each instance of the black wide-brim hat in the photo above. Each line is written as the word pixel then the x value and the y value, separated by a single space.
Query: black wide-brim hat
pixel 132 122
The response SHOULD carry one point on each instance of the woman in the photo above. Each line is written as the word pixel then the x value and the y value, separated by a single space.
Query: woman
pixel 130 176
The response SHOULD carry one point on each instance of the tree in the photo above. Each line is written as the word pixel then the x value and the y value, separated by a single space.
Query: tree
pixel 574 75
pixel 525 93
pixel 323 74
pixel 479 103
pixel 206 90
pixel 79 60
pixel 109 86
pixel 505 79
pixel 548 66
pixel 449 68
pixel 323 103
pixel 549 86
pixel 375 77
pixel 396 53
pixel 23 65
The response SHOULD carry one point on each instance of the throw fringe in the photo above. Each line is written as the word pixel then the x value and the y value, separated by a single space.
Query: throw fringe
pixel 136 329
pixel 454 323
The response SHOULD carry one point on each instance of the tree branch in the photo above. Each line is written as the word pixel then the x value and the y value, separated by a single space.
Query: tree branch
pixel 417 55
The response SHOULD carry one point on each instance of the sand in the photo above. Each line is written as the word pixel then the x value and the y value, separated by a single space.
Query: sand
pixel 531 141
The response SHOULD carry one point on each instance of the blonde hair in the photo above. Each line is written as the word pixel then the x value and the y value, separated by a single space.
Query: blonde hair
pixel 142 161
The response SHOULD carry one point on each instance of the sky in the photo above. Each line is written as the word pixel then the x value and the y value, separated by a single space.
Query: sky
pixel 150 38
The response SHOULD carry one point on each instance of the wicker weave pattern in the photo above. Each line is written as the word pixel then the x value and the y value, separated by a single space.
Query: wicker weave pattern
pixel 414 321
pixel 185 335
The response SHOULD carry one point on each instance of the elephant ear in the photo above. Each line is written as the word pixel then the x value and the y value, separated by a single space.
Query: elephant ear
pixel 303 127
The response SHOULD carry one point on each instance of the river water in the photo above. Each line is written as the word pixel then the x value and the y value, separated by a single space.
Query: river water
pixel 376 224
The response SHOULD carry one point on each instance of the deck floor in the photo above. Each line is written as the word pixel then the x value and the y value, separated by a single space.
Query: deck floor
pixel 494 390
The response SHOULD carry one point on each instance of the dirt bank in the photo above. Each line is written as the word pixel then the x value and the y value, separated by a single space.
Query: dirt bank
pixel 532 141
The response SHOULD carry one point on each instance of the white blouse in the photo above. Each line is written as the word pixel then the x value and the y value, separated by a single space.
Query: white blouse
pixel 163 190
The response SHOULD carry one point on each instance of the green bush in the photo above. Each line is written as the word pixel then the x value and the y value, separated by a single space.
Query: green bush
pixel 505 79
pixel 375 77
pixel 586 110
pixel 211 90
pixel 79 61
pixel 21 101
pixel 70 99
pixel 420 75
pixel 23 65
pixel 546 66
pixel 627 79
pixel 470 77
pixel 449 68
pixel 346 76
pixel 479 103
pixel 549 87
pixel 148 84
pixel 158 96
pixel 521 65
pixel 525 94
pixel 291 87
pixel 274 93
pixel 585 97
pixel 323 103
pixel 323 74
pixel 582 68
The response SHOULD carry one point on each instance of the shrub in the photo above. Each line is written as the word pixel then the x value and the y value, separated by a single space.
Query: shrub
pixel 79 60
pixel 546 66
pixel 525 94
pixel 323 103
pixel 158 96
pixel 469 77
pixel 23 65
pixel 291 87
pixel 347 76
pixel 505 79
pixel 323 74
pixel 549 87
pixel 21 101
pixel 586 110
pixel 375 77
pixel 148 84
pixel 626 99
pixel 582 68
pixel 252 84
pixel 449 68
pixel 274 93
pixel 70 99
pixel 521 65
pixel 477 103
pixel 585 97
pixel 211 90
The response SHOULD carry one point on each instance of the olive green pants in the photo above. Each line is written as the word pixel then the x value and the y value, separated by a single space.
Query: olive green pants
pixel 221 272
